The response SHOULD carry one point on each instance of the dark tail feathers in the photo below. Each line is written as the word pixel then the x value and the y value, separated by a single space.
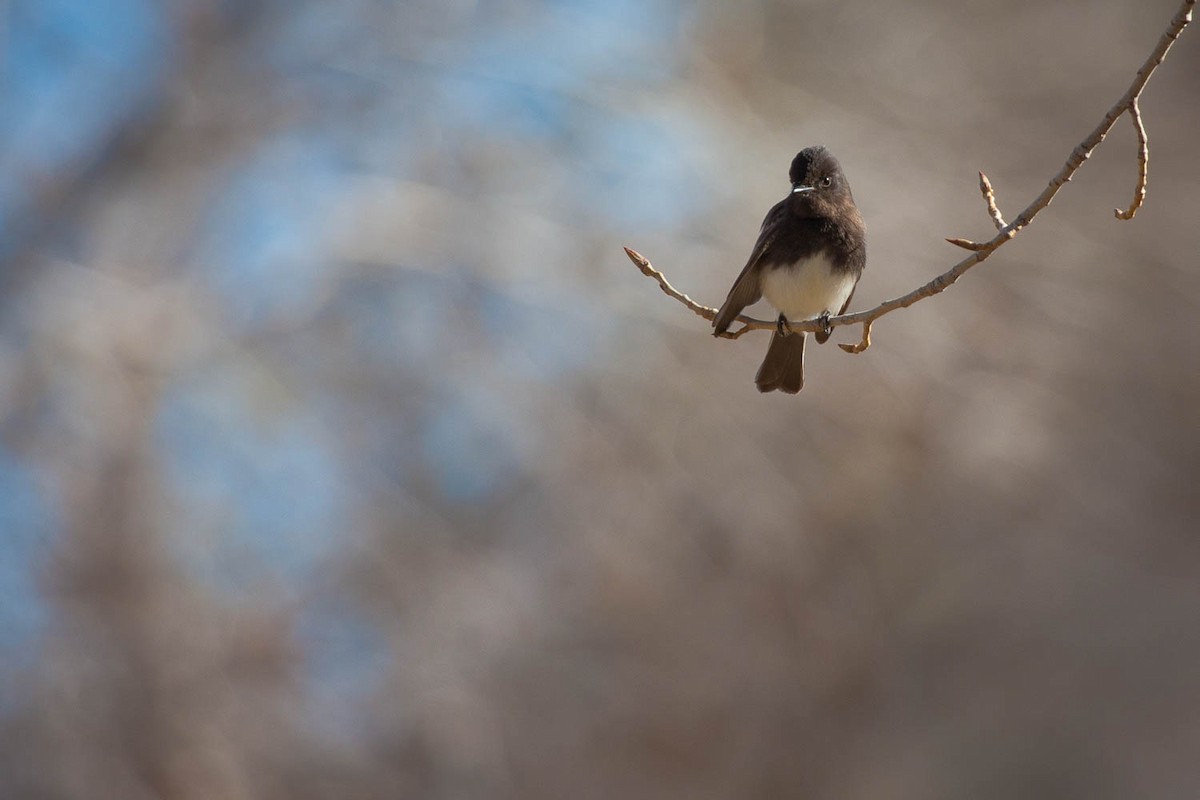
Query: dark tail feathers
pixel 783 368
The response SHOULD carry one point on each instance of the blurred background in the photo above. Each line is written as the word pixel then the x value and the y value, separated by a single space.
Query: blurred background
pixel 345 455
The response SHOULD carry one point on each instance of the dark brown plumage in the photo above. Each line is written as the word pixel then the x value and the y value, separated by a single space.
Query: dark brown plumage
pixel 810 253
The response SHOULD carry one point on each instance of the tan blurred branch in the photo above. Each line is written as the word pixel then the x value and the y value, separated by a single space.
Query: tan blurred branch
pixel 981 250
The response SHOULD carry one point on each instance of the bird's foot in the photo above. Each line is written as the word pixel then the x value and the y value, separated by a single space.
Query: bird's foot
pixel 782 327
pixel 826 328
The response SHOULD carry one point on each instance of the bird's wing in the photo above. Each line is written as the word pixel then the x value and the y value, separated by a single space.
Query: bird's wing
pixel 858 261
pixel 747 289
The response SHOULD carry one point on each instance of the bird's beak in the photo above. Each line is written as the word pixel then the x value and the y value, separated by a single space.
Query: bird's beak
pixel 800 188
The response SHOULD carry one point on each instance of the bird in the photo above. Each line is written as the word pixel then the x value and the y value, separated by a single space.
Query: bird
pixel 810 254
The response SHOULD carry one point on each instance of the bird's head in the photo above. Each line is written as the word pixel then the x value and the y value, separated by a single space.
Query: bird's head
pixel 819 188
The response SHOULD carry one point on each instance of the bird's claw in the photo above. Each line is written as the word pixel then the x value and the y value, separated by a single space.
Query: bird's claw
pixel 826 328
pixel 782 327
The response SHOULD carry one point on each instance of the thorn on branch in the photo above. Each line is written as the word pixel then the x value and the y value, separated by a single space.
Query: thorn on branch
pixel 1139 192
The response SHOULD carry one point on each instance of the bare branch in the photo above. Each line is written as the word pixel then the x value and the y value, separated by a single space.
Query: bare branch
pixel 980 250
pixel 1139 193
pixel 748 323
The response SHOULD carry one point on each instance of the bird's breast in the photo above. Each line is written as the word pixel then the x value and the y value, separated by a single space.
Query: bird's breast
pixel 808 287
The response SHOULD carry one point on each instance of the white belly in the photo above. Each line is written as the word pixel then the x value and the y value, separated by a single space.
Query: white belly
pixel 807 289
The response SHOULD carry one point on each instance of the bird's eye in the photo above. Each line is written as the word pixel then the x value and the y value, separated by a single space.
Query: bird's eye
pixel 827 181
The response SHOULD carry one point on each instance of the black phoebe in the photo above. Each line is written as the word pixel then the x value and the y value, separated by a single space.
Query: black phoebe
pixel 808 258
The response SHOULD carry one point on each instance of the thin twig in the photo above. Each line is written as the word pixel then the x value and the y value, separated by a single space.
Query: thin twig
pixel 1139 193
pixel 709 314
pixel 989 196
pixel 982 250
